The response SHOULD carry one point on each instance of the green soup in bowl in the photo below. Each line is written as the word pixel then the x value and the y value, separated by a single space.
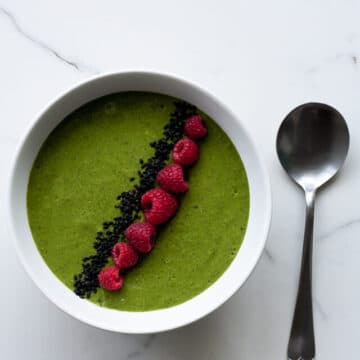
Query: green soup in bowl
pixel 89 158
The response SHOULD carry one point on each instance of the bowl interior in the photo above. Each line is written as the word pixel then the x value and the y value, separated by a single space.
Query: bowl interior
pixel 150 321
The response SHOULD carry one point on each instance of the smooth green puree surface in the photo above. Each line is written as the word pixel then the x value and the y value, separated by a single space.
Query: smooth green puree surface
pixel 88 160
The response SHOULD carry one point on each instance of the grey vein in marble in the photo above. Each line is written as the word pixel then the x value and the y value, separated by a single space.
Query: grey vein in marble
pixel 148 342
pixel 333 59
pixel 339 228
pixel 268 254
pixel 41 44
pixel 145 345
pixel 319 309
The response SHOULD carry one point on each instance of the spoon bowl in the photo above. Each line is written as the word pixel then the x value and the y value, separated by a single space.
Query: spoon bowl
pixel 312 144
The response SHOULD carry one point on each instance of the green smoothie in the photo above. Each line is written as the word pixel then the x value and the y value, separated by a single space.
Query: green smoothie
pixel 88 160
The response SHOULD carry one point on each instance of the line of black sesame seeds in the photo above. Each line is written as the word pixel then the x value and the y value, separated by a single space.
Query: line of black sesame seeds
pixel 86 282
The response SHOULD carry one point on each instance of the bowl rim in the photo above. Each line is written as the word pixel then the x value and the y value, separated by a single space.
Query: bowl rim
pixel 267 203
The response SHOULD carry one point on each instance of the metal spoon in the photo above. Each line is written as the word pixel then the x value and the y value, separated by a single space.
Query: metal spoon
pixel 312 144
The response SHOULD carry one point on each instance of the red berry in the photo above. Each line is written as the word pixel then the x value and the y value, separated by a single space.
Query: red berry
pixel 124 255
pixel 171 178
pixel 158 206
pixel 194 127
pixel 185 152
pixel 141 236
pixel 110 279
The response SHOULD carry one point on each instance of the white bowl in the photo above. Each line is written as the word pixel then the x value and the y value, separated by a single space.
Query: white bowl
pixel 150 321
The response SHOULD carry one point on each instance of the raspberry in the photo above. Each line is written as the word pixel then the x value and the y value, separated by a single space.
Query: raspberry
pixel 158 205
pixel 185 152
pixel 194 127
pixel 171 178
pixel 124 255
pixel 110 279
pixel 141 236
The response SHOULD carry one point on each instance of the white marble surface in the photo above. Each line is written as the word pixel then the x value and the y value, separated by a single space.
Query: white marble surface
pixel 261 58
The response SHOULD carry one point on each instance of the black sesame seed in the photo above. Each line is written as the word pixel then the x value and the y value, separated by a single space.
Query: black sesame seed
pixel 86 282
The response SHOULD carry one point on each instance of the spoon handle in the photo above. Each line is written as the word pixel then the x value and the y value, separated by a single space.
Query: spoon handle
pixel 302 342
